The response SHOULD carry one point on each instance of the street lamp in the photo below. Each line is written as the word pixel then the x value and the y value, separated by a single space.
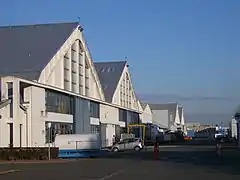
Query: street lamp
pixel 49 124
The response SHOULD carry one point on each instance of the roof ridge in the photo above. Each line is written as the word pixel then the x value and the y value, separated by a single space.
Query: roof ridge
pixel 163 103
pixel 110 62
pixel 41 24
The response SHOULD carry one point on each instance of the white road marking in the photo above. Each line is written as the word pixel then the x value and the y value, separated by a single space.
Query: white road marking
pixel 9 171
pixel 111 175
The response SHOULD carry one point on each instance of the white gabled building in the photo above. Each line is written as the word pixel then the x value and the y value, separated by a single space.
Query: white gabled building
pixel 48 75
pixel 166 115
pixel 146 115
pixel 182 119
pixel 118 89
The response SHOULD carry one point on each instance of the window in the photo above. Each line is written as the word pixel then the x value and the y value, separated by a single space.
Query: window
pixel 122 115
pixel 59 102
pixel 134 118
pixel 10 96
pixel 57 128
pixel 10 135
pixel 95 129
pixel 94 109
pixel 123 130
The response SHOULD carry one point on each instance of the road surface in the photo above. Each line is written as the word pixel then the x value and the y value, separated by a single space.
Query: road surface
pixel 181 162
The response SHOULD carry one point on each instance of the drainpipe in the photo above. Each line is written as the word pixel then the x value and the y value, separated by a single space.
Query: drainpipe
pixel 26 128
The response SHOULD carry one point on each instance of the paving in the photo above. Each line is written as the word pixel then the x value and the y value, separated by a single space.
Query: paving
pixel 174 162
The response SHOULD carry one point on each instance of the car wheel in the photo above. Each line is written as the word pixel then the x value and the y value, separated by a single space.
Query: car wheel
pixel 137 148
pixel 115 149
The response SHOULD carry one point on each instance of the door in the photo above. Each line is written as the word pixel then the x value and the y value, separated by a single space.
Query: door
pixel 103 134
pixel 10 135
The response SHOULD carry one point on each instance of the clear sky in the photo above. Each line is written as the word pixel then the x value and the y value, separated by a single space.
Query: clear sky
pixel 176 47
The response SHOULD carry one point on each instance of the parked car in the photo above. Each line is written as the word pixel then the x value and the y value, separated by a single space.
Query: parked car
pixel 135 144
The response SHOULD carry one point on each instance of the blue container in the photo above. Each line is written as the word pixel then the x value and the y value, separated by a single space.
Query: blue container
pixel 75 153
pixel 190 133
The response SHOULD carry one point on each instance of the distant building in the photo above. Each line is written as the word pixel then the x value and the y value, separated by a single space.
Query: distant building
pixel 199 127
pixel 146 116
pixel 168 116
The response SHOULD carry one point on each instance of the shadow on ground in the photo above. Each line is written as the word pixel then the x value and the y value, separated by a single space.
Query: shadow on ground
pixel 228 162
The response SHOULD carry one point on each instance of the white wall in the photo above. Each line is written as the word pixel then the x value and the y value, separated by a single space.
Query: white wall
pixel 233 128
pixel 57 117
pixel 177 118
pixel 32 122
pixel 94 121
pixel 109 119
pixel 108 114
pixel 35 122
pixel 160 117
pixel 130 95
pixel 53 73
pixel 147 115
pixel 18 115
pixel 182 119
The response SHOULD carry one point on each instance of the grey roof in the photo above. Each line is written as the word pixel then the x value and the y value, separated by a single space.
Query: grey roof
pixel 160 125
pixel 171 107
pixel 109 74
pixel 26 50
pixel 143 105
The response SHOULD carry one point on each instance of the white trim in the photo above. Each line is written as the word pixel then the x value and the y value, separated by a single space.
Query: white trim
pixel 59 56
pixel 57 117
pixel 125 70
pixel 70 93
pixel 89 57
pixel 94 121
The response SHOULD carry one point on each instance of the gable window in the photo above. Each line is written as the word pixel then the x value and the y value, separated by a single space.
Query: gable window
pixel 10 96
pixel 94 109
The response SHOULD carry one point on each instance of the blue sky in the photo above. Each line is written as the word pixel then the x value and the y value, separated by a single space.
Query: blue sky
pixel 175 48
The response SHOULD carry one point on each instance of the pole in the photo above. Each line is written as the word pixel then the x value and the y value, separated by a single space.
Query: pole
pixel 26 128
pixel 49 150
pixel 49 134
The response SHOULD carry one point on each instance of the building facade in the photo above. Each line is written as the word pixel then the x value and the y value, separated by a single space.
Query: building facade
pixel 48 77
pixel 168 116
pixel 146 115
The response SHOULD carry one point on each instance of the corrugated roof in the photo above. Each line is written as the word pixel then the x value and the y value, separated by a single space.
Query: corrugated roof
pixel 26 50
pixel 109 74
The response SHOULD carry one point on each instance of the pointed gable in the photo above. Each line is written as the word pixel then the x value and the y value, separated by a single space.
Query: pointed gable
pixel 109 74
pixel 26 50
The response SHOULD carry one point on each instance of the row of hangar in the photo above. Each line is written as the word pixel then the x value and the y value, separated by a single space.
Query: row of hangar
pixel 49 77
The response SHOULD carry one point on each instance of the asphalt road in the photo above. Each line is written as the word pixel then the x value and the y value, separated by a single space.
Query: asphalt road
pixel 180 162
